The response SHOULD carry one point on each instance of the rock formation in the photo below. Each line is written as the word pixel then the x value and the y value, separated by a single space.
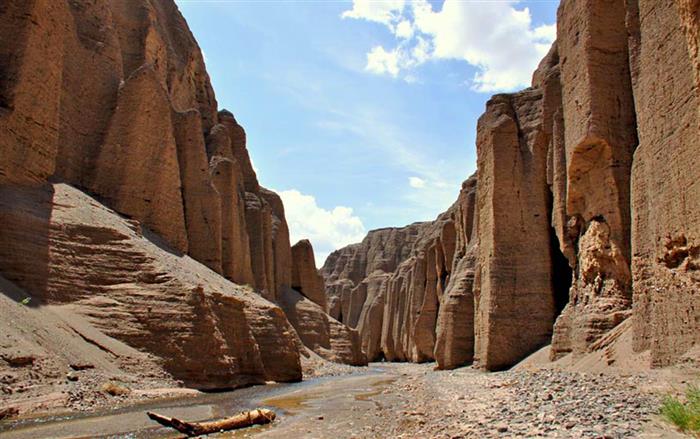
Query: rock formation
pixel 585 213
pixel 128 200
pixel 121 182
pixel 305 276
pixel 320 332
pixel 126 282
pixel 665 238
pixel 390 285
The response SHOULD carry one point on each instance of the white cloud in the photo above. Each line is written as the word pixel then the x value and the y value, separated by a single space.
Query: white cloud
pixel 496 38
pixel 327 230
pixel 380 61
pixel 411 79
pixel 416 182
pixel 384 11
pixel 546 32
pixel 404 29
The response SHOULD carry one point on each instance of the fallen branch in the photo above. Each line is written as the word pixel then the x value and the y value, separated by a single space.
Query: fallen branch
pixel 241 420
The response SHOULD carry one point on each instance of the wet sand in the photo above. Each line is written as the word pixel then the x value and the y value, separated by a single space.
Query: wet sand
pixel 132 422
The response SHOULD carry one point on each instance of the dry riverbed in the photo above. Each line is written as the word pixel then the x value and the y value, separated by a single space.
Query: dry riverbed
pixel 413 401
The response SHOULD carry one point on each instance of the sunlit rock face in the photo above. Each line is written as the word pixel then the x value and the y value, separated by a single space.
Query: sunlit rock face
pixel 393 285
pixel 127 193
pixel 582 213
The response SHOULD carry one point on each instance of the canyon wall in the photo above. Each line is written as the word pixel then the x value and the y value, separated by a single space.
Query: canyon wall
pixel 584 211
pixel 389 287
pixel 121 182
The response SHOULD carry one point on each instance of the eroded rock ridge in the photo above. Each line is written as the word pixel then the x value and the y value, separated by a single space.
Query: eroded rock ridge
pixel 128 196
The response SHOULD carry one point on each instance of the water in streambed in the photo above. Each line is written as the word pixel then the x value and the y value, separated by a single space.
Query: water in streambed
pixel 292 402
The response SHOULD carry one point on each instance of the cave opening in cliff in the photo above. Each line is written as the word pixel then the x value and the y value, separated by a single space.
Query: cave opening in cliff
pixel 562 274
pixel 5 101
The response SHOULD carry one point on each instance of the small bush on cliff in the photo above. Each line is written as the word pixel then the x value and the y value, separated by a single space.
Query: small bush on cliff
pixel 685 415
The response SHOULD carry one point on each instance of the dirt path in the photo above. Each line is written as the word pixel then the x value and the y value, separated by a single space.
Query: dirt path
pixel 410 401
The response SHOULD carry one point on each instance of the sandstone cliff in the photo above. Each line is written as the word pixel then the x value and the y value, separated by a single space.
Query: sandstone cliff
pixel 390 286
pixel 585 214
pixel 121 182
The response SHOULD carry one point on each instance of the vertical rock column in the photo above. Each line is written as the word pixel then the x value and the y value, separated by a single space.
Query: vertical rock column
pixel 514 304
pixel 305 276
pixel 30 86
pixel 202 204
pixel 600 137
pixel 454 331
pixel 137 171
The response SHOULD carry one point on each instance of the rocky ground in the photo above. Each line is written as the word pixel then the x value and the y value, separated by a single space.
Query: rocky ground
pixel 547 403
pixel 400 400
pixel 415 401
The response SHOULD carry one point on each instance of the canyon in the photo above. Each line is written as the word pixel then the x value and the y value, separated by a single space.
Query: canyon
pixel 128 203
pixel 583 213
pixel 139 250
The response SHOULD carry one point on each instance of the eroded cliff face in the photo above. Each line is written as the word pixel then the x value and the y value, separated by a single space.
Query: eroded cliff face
pixel 390 287
pixel 665 177
pixel 585 214
pixel 112 99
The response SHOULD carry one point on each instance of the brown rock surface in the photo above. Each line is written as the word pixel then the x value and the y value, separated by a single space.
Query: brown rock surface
pixel 584 214
pixel 321 333
pixel 600 137
pixel 31 59
pixel 43 345
pixel 204 330
pixel 514 302
pixel 305 276
pixel 137 170
pixel 391 286
pixel 454 331
pixel 666 178
pixel 113 99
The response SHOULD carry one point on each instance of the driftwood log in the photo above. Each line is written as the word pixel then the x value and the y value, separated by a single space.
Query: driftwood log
pixel 241 420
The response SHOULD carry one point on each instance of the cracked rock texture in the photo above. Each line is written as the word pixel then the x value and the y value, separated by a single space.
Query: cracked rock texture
pixel 586 213
pixel 126 194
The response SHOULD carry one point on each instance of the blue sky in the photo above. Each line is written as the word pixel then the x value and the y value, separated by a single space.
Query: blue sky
pixel 363 114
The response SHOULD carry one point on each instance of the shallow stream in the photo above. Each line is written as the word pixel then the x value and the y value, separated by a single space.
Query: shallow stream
pixel 294 403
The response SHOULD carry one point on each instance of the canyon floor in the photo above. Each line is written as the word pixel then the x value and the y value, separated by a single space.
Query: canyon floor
pixel 411 401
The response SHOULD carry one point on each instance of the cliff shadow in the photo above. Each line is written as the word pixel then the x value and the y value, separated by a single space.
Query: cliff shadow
pixel 25 221
pixel 561 271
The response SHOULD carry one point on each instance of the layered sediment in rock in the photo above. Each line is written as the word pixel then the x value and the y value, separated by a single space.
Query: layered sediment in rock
pixel 112 99
pixel 584 214
pixel 205 330
pixel 320 332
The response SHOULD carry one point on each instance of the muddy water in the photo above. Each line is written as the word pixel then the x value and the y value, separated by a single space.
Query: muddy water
pixel 330 399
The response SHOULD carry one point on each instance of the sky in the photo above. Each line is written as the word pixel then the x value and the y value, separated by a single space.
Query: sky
pixel 362 114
